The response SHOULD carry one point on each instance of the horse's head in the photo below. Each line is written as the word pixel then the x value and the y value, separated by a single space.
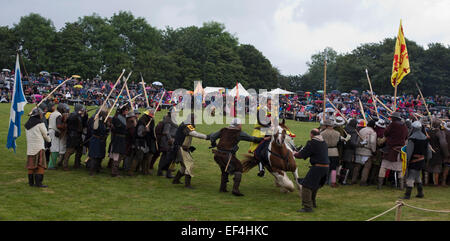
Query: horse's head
pixel 279 137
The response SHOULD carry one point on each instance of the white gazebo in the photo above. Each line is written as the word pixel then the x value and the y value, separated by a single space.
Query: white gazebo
pixel 240 90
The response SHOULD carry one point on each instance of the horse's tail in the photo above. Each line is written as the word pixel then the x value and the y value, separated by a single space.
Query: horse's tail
pixel 248 162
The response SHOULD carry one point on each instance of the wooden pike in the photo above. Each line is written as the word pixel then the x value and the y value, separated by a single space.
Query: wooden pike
pixel 145 91
pixel 387 108
pixel 129 97
pixel 371 93
pixel 132 99
pixel 106 100
pixel 423 99
pixel 159 103
pixel 362 110
pixel 343 116
pixel 117 98
pixel 53 91
pixel 336 109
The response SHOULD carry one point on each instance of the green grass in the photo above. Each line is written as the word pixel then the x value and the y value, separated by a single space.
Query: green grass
pixel 74 195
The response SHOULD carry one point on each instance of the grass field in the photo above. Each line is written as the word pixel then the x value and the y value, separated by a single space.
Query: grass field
pixel 74 195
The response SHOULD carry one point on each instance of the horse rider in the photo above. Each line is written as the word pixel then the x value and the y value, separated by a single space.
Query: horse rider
pixel 261 130
pixel 225 154
pixel 182 146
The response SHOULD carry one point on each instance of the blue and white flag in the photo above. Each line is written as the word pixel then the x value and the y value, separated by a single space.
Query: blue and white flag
pixel 18 103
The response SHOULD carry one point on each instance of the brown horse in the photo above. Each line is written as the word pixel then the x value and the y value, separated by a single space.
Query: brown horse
pixel 281 160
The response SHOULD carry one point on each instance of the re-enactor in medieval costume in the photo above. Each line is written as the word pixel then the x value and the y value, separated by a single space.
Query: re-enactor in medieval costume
pixel 56 130
pixel 317 151
pixel 36 137
pixel 396 134
pixel 331 138
pixel 183 147
pixel 417 152
pixel 438 142
pixel 145 142
pixel 74 143
pixel 118 145
pixel 225 154
pixel 168 132
pixel 97 143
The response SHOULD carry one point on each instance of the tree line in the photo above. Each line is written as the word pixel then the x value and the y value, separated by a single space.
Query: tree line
pixel 94 46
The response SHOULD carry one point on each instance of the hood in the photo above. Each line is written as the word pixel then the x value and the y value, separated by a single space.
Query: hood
pixel 32 122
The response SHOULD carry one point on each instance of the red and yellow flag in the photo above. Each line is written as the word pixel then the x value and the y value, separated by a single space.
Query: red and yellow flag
pixel 400 66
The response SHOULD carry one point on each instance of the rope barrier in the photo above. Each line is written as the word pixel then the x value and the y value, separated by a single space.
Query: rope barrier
pixel 427 210
pixel 383 213
pixel 400 203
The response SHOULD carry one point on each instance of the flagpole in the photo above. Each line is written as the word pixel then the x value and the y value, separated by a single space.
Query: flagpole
pixel 324 89
pixel 395 99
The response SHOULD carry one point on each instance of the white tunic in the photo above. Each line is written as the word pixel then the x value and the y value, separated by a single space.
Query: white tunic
pixel 58 143
pixel 35 139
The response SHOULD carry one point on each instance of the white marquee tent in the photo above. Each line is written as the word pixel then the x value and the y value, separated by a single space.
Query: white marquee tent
pixel 241 90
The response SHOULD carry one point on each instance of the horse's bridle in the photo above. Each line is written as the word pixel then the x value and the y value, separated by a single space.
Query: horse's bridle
pixel 285 158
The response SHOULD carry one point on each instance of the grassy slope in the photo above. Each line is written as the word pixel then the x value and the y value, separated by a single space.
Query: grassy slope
pixel 74 195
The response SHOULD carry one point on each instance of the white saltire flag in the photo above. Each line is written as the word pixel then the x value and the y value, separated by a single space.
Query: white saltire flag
pixel 18 103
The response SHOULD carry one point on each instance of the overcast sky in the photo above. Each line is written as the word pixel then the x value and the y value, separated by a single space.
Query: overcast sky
pixel 287 32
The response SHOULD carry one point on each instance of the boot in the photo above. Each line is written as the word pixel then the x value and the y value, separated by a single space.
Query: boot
pixel 187 182
pixel 313 197
pixel 355 173
pixel 401 183
pixel 77 164
pixel 261 170
pixel 223 182
pixel 346 176
pixel 444 176
pixel 380 182
pixel 132 168
pixel 60 160
pixel 169 174
pixel 237 181
pixel 306 200
pixel 407 193
pixel 177 178
pixel 419 190
pixel 426 178
pixel 66 162
pixel 31 180
pixel 92 166
pixel 39 178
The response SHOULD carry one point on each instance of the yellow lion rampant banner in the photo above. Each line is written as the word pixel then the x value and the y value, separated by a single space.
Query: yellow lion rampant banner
pixel 400 66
